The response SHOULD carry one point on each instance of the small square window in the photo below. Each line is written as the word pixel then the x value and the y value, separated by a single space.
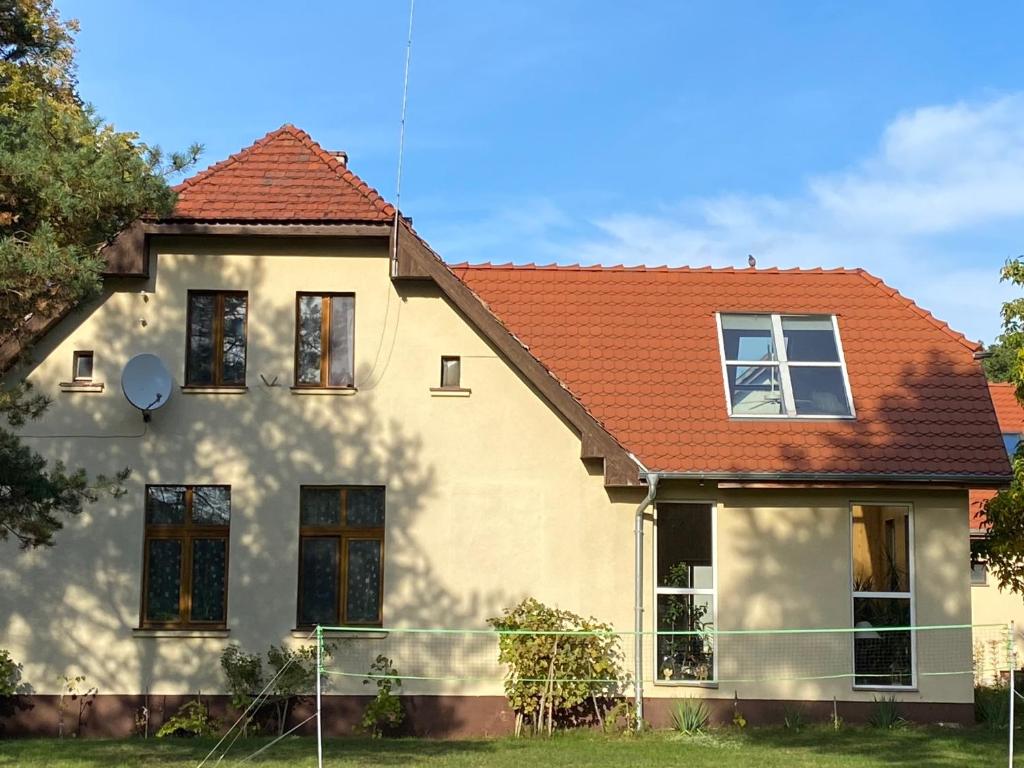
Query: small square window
pixel 81 366
pixel 451 372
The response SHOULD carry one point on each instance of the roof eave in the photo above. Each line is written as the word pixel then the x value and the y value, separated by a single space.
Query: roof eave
pixel 926 479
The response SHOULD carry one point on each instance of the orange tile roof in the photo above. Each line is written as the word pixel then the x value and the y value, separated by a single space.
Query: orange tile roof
pixel 1008 409
pixel 1010 415
pixel 285 176
pixel 638 348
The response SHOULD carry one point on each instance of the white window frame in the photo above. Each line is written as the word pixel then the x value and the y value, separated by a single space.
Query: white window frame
pixel 713 592
pixel 783 364
pixel 978 536
pixel 910 595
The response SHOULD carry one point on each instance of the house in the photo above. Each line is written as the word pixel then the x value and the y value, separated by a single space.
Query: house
pixel 989 603
pixel 359 434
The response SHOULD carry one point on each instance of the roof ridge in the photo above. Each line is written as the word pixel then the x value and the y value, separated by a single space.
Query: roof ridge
pixel 372 196
pixel 661 268
pixel 920 311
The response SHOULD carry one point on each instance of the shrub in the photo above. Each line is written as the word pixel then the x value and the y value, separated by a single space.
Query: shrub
pixel 556 677
pixel 690 716
pixel 384 713
pixel 292 672
pixel 793 718
pixel 621 718
pixel 886 714
pixel 192 719
pixel 12 688
pixel 992 706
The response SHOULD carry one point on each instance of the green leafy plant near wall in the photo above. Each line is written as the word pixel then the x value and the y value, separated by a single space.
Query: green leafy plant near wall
pixel 12 687
pixel 384 713
pixel 690 716
pixel 992 706
pixel 556 678
pixel 192 719
pixel 291 674
pixel 885 714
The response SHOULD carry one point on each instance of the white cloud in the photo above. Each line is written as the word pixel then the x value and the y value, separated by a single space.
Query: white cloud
pixel 934 211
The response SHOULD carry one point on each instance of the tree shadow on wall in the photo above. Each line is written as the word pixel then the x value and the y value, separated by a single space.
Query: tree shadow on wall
pixel 73 608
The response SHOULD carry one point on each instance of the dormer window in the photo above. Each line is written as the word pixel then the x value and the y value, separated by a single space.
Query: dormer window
pixel 784 366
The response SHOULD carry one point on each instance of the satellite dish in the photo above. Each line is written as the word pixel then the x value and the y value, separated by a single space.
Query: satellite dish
pixel 146 383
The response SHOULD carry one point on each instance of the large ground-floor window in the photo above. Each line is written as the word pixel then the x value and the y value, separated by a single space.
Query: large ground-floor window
pixel 185 556
pixel 341 555
pixel 883 597
pixel 685 592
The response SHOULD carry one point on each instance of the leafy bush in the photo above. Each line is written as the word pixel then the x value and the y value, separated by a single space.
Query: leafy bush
pixel 384 713
pixel 621 718
pixel 553 677
pixel 992 706
pixel 11 686
pixel 244 673
pixel 886 714
pixel 690 716
pixel 193 719
pixel 293 672
pixel 794 718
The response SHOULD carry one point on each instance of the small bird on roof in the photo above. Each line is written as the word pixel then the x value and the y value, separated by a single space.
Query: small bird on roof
pixel 751 261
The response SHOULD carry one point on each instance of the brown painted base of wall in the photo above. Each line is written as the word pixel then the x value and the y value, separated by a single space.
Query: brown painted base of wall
pixel 430 716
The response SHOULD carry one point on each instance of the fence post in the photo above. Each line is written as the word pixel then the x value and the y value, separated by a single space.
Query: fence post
pixel 1013 688
pixel 319 717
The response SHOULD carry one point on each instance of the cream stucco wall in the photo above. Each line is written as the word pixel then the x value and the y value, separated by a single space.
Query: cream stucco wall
pixel 487 499
pixel 991 605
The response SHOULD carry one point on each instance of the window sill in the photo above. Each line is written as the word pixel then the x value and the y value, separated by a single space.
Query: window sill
pixel 204 390
pixel 450 392
pixel 191 632
pixel 81 386
pixel 886 688
pixel 786 417
pixel 341 391
pixel 368 634
pixel 709 684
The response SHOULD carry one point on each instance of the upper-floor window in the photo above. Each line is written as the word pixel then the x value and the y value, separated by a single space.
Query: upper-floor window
pixel 81 366
pixel 185 578
pixel 215 354
pixel 784 366
pixel 324 340
pixel 451 372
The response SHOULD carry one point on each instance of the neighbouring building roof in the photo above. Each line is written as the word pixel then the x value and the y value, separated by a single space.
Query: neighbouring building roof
pixel 1009 412
pixel 1010 415
pixel 639 348
pixel 283 177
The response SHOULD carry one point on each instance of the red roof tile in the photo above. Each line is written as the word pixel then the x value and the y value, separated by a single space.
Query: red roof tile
pixel 285 176
pixel 638 348
pixel 1010 415
pixel 1008 409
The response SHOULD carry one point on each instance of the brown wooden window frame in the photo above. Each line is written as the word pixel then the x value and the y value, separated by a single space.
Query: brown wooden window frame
pixel 79 355
pixel 218 339
pixel 325 339
pixel 186 532
pixel 343 534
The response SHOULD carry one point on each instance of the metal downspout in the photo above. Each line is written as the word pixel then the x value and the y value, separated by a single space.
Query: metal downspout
pixel 638 597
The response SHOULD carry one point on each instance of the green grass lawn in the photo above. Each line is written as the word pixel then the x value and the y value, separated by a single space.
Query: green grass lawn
pixel 763 748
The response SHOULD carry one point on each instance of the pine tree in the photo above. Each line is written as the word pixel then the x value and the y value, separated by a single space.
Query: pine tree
pixel 68 184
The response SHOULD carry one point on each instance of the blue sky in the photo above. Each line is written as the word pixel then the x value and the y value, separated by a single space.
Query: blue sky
pixel 888 136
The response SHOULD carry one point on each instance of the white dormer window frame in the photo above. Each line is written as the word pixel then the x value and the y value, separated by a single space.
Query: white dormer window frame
pixel 780 366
